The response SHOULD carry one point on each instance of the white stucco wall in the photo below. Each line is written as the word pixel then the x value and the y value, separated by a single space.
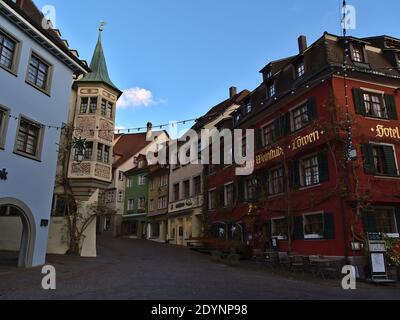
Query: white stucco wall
pixel 30 181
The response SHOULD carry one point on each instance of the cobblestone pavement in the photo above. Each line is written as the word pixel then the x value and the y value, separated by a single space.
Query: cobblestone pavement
pixel 131 269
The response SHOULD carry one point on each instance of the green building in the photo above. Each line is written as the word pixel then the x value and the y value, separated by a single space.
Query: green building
pixel 136 200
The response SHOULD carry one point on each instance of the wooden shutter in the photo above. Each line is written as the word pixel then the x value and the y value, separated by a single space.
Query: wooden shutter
pixel 259 139
pixel 298 228
pixel 368 156
pixel 323 167
pixel 397 213
pixel 390 161
pixel 369 223
pixel 269 229
pixel 312 109
pixel 278 128
pixel 359 102
pixel 391 107
pixel 329 226
pixel 240 190
pixel 287 127
pixel 295 174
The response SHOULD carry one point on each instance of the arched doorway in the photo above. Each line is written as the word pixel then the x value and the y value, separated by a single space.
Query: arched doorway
pixel 15 214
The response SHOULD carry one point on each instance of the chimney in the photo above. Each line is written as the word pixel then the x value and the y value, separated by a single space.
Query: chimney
pixel 302 44
pixel 232 92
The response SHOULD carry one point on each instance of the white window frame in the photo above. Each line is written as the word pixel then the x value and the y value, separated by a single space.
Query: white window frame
pixel 313 236
pixel 395 154
pixel 142 180
pixel 131 205
pixel 273 227
pixel 229 184
pixel 4 125
pixel 210 204
pixel 16 54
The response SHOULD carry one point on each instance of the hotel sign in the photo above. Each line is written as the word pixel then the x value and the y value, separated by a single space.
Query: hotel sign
pixel 304 141
pixel 386 132
pixel 3 174
pixel 269 155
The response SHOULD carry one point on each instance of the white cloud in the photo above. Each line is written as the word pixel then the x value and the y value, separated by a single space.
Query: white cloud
pixel 136 97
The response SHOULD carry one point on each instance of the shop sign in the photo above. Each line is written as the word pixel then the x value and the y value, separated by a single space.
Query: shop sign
pixel 269 155
pixel 304 141
pixel 386 132
pixel 3 174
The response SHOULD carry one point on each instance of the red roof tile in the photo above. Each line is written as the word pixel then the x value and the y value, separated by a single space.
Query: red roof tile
pixel 128 145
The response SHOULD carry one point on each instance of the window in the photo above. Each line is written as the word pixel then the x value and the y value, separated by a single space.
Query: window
pixel 84 105
pixel 280 228
pixel 269 74
pixel 162 203
pixel 131 204
pixel 110 107
pixel 375 105
pixel 129 182
pixel 212 199
pixel 152 206
pixel 197 185
pixel 120 176
pixel 141 164
pixel 4 115
pixel 229 195
pixel 300 117
pixel 314 226
pixel 271 90
pixel 142 203
pixel 8 48
pixel 87 153
pixel 276 181
pixel 380 159
pixel 248 108
pixel 155 230
pixel 300 70
pixel 152 185
pixel 251 189
pixel 383 220
pixel 268 133
pixel 164 181
pixel 177 195
pixel 38 73
pixel 93 105
pixel 357 53
pixel 120 196
pixel 186 189
pixel 29 138
pixel 310 171
pixel 110 197
pixel 142 180
pixel 103 153
pixel 103 109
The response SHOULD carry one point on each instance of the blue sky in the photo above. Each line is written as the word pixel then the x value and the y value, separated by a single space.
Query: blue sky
pixel 179 57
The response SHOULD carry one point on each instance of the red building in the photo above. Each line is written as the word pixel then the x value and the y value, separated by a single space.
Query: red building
pixel 302 193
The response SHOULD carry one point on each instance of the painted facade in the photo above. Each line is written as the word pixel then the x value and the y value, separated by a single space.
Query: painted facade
pixel 301 194
pixel 36 73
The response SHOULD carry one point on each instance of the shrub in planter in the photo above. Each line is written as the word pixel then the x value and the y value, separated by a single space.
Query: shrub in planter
pixel 393 258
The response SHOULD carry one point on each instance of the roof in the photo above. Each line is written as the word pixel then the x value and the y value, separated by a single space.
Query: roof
pixel 98 65
pixel 217 110
pixel 29 12
pixel 128 145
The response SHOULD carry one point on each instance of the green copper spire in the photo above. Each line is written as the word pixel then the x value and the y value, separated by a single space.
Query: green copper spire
pixel 98 65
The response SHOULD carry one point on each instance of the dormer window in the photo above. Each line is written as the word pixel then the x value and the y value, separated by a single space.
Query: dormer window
pixel 268 74
pixel 271 90
pixel 300 70
pixel 248 108
pixel 357 53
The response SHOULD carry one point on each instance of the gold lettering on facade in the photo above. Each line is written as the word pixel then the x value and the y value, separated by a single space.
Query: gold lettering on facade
pixel 301 142
pixel 384 132
pixel 269 155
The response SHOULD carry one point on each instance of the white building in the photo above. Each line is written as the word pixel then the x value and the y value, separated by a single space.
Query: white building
pixel 36 74
pixel 186 196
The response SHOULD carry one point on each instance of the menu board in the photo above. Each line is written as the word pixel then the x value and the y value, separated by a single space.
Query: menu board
pixel 378 263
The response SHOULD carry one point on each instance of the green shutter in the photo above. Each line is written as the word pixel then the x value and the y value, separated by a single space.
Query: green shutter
pixel 298 228
pixel 368 156
pixel 240 190
pixel 287 128
pixel 295 174
pixel 269 229
pixel 390 161
pixel 369 222
pixel 312 109
pixel 398 219
pixel 359 102
pixel 323 167
pixel 391 107
pixel 329 226
pixel 259 139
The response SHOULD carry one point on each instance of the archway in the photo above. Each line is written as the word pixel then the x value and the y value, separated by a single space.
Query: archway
pixel 13 209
